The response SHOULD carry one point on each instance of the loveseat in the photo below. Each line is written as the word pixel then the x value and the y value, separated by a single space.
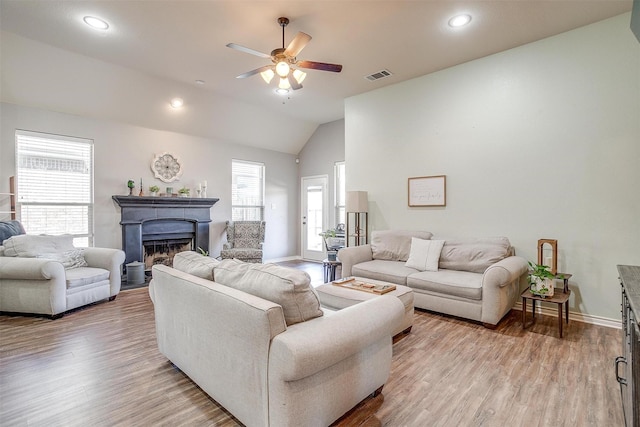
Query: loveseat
pixel 257 341
pixel 48 275
pixel 475 278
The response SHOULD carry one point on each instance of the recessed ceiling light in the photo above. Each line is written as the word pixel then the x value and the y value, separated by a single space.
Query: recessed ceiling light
pixel 97 23
pixel 177 102
pixel 459 20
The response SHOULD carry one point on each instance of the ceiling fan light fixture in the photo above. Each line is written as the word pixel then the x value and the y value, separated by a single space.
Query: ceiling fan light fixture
pixel 282 68
pixel 281 91
pixel 267 75
pixel 284 84
pixel 299 76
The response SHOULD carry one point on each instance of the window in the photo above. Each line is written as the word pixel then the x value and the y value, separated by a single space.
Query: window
pixel 339 175
pixel 247 191
pixel 55 185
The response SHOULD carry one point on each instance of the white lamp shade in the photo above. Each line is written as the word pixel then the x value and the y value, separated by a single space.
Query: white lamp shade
pixel 299 75
pixel 357 201
pixel 282 69
pixel 284 84
pixel 267 75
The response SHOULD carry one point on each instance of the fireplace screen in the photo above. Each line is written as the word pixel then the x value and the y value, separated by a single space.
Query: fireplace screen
pixel 163 251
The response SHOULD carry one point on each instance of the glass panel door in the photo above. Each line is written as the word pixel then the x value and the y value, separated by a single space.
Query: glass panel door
pixel 314 217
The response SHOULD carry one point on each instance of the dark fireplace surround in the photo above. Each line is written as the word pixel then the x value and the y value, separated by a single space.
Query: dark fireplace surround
pixel 146 220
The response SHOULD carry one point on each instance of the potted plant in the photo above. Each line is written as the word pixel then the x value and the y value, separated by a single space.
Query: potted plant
pixel 154 190
pixel 541 280
pixel 184 192
pixel 131 184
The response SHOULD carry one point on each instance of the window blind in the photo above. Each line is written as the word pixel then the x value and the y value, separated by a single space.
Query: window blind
pixel 247 192
pixel 54 185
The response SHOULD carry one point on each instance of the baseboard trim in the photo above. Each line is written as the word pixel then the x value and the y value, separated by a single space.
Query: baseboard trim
pixel 575 316
pixel 283 259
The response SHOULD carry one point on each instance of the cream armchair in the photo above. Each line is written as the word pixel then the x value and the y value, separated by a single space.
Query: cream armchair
pixel 48 275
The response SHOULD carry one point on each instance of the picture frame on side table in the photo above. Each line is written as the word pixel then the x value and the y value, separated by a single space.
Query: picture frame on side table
pixel 427 191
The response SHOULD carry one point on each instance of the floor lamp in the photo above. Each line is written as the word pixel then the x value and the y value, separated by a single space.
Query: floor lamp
pixel 357 204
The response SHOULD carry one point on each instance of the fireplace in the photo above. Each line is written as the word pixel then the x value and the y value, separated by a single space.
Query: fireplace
pixel 156 228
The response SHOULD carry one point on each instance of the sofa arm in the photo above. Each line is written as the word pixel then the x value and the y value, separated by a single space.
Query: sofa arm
pixel 109 259
pixel 32 285
pixel 501 286
pixel 309 347
pixel 16 268
pixel 354 255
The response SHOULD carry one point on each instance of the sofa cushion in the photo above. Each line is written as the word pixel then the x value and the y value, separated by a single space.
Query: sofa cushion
pixel 195 264
pixel 394 245
pixel 462 284
pixel 387 271
pixel 69 259
pixel 287 287
pixel 85 275
pixel 475 255
pixel 30 246
pixel 425 254
pixel 241 253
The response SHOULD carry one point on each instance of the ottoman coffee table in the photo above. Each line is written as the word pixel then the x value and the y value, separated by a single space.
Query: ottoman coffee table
pixel 336 298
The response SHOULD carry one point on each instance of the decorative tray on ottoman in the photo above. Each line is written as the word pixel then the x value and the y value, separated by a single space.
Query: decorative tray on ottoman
pixel 352 283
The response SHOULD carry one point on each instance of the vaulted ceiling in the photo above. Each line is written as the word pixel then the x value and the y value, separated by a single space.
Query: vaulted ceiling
pixel 157 50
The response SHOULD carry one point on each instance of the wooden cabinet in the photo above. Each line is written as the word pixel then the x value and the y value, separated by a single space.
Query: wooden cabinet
pixel 628 365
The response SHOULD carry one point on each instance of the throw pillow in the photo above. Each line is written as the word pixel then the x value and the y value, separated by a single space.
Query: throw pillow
pixel 10 228
pixel 69 259
pixel 288 287
pixel 425 254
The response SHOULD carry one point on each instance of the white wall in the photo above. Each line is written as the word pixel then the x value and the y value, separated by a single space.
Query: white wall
pixel 541 141
pixel 124 152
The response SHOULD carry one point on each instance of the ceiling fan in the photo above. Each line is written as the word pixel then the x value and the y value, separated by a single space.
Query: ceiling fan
pixel 284 62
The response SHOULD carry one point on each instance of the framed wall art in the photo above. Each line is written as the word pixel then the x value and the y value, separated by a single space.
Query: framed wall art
pixel 166 167
pixel 428 191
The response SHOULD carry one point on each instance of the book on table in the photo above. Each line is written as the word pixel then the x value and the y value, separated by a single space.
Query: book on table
pixel 359 285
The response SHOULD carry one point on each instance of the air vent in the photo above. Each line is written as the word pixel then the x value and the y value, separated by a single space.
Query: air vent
pixel 379 75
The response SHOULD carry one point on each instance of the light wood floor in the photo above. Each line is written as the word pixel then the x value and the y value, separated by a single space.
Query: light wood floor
pixel 99 366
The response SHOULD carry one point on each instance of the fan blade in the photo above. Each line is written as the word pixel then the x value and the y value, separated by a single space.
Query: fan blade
pixel 294 84
pixel 297 44
pixel 247 50
pixel 253 72
pixel 336 68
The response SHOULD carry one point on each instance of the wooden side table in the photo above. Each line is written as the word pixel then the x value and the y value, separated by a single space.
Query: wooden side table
pixel 559 297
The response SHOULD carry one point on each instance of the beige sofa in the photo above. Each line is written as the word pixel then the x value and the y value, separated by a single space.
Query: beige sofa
pixel 48 275
pixel 474 278
pixel 269 363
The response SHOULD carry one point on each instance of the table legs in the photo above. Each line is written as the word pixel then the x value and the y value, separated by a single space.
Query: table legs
pixel 560 318
pixel 329 273
pixel 561 306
